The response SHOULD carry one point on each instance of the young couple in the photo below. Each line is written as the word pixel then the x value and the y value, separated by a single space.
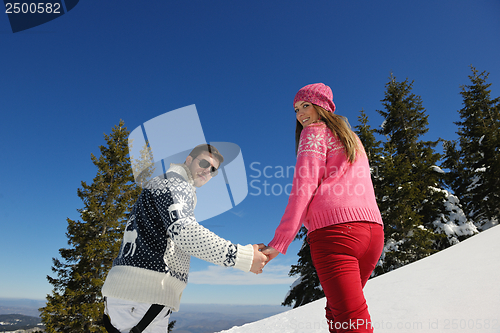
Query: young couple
pixel 345 232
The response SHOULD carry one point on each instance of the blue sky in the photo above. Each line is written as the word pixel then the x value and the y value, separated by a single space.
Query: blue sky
pixel 65 83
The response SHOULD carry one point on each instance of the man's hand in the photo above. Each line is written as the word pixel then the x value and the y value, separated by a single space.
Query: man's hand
pixel 270 252
pixel 259 259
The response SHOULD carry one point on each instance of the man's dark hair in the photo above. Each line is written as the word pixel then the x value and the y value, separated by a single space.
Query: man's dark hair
pixel 208 148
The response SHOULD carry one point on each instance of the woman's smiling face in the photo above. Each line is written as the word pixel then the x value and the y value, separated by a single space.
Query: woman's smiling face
pixel 306 113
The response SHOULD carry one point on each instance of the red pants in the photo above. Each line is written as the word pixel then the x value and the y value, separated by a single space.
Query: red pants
pixel 344 256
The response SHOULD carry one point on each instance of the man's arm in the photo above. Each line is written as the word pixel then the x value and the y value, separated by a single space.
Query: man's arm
pixel 174 201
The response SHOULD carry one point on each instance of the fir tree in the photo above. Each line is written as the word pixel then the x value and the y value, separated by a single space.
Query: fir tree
pixel 473 161
pixel 171 326
pixel 142 167
pixel 408 199
pixel 307 287
pixel 76 304
pixel 372 146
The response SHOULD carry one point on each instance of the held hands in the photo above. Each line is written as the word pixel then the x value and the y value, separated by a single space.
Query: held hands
pixel 261 256
pixel 259 259
pixel 270 252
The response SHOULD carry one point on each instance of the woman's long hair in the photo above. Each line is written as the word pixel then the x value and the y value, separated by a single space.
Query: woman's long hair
pixel 340 128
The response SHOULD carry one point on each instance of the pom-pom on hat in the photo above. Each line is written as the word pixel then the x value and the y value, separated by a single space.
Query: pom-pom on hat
pixel 317 93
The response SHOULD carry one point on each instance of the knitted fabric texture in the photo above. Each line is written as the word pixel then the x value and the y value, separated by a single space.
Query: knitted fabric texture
pixel 159 239
pixel 327 189
pixel 317 93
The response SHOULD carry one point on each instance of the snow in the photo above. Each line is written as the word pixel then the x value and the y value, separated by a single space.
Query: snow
pixel 489 224
pixel 454 290
pixel 294 284
pixel 437 169
pixel 454 223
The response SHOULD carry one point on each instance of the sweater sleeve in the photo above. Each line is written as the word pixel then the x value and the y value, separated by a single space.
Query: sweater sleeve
pixel 203 244
pixel 309 171
pixel 174 203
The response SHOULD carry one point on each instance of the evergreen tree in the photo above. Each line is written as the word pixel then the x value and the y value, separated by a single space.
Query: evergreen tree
pixel 76 304
pixel 142 167
pixel 307 287
pixel 373 148
pixel 473 161
pixel 408 199
pixel 170 327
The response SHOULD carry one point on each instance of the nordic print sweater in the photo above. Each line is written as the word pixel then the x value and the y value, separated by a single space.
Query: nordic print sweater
pixel 327 189
pixel 160 237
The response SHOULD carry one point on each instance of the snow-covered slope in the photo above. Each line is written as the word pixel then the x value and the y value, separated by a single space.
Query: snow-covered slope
pixel 454 290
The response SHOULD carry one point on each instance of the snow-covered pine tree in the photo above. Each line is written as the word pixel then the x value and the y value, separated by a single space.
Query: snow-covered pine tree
pixel 473 162
pixel 407 180
pixel 75 304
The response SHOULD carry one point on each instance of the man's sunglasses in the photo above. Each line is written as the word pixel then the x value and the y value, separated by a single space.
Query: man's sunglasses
pixel 206 164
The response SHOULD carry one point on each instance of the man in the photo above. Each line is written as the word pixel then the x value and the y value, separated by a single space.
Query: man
pixel 146 281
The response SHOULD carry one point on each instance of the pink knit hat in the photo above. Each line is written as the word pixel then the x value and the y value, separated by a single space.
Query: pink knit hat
pixel 317 93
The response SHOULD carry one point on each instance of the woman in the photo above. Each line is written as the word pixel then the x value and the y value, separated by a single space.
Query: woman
pixel 333 196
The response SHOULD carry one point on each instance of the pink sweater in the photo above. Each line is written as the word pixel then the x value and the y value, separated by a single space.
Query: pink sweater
pixel 326 189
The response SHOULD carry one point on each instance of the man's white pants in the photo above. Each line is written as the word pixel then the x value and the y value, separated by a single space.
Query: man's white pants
pixel 124 315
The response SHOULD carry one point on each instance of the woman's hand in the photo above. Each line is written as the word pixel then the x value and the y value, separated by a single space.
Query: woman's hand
pixel 270 252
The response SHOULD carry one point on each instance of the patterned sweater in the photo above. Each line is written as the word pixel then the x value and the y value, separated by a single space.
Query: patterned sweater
pixel 160 237
pixel 327 189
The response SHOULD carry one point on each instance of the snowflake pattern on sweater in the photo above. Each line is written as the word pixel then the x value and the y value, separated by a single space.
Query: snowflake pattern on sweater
pixel 317 142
